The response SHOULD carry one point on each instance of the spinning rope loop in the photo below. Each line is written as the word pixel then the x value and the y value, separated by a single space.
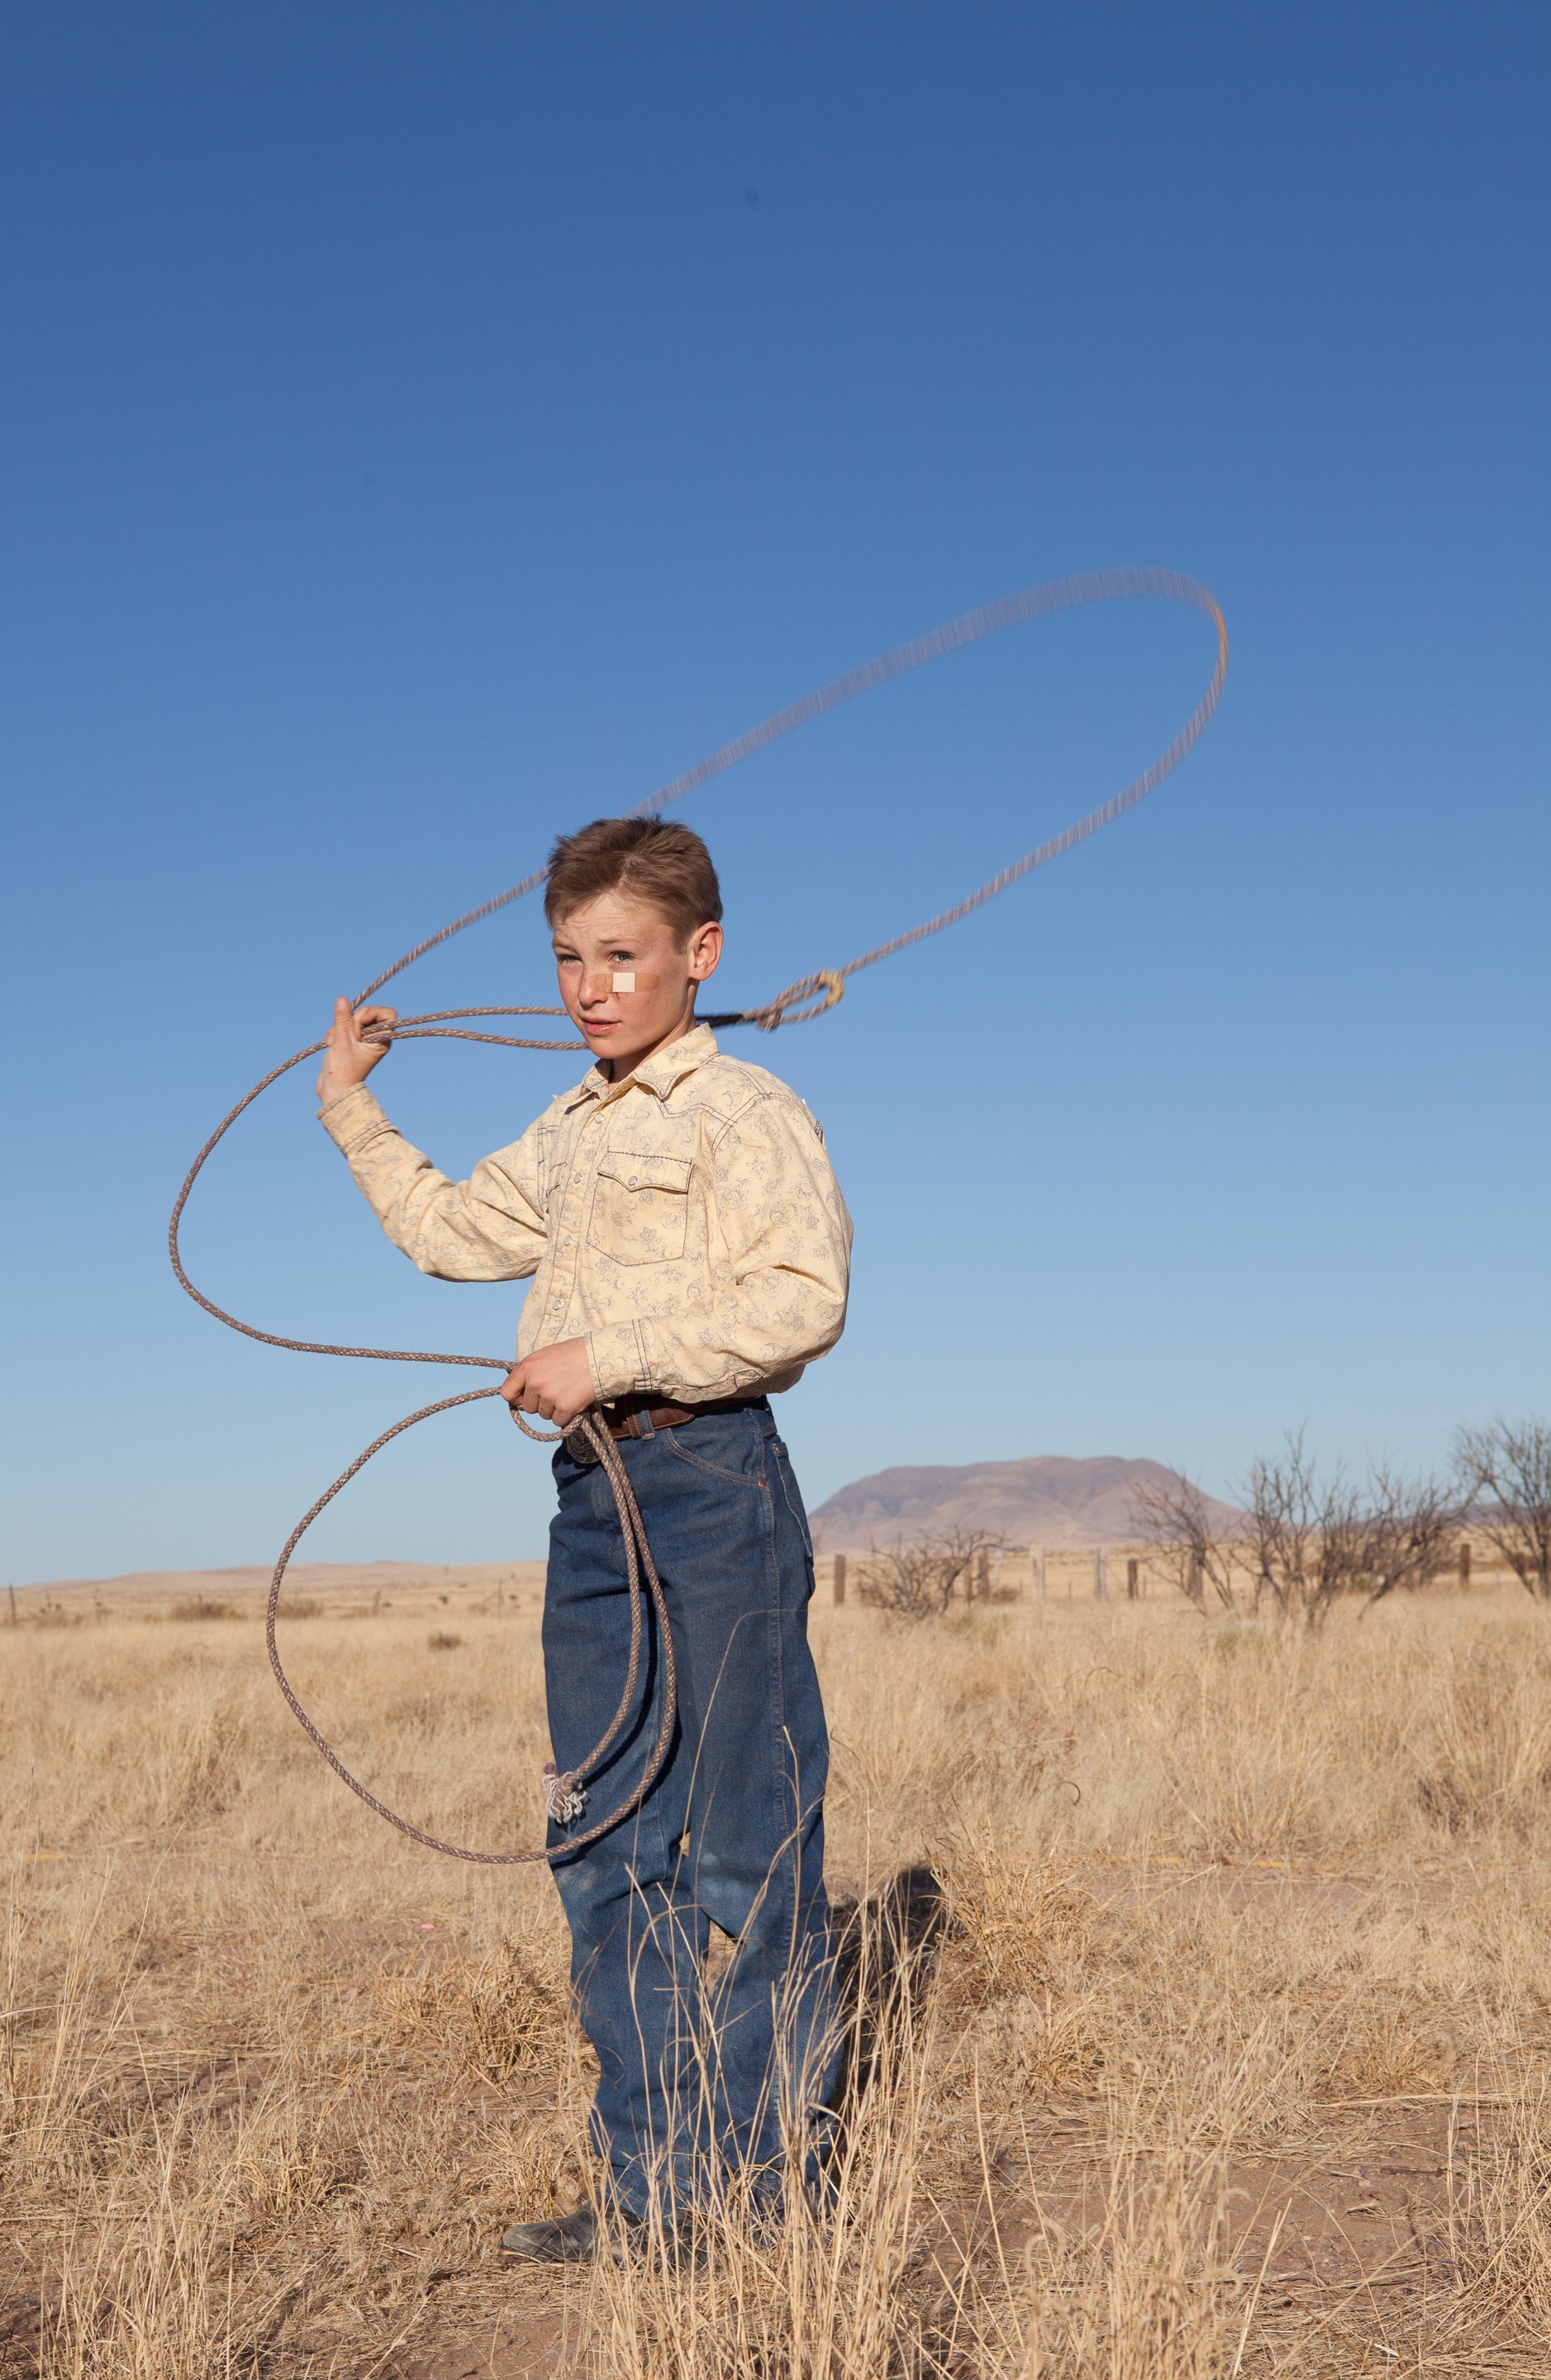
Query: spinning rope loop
pixel 810 996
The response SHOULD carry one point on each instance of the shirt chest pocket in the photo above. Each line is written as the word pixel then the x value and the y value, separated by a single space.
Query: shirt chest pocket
pixel 640 1207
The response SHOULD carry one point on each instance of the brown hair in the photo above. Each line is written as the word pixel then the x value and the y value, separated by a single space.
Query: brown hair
pixel 668 866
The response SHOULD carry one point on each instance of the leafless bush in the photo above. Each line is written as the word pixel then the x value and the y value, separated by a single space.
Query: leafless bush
pixel 1315 1539
pixel 915 1578
pixel 1508 1466
pixel 1175 1515
pixel 1411 1527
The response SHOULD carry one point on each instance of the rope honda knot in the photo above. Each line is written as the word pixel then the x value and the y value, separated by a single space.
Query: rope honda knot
pixel 831 981
pixel 563 1800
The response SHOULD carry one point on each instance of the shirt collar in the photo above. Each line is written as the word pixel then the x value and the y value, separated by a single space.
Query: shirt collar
pixel 659 1075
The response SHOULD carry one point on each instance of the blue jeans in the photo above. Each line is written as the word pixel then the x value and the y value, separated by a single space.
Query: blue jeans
pixel 731 1833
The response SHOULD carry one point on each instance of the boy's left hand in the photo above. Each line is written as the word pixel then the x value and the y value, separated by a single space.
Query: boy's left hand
pixel 555 1382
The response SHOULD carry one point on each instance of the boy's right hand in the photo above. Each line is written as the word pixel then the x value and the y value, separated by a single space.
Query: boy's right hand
pixel 349 1057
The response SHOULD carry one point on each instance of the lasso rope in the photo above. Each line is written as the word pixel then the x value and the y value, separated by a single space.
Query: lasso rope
pixel 563 1794
pixel 808 997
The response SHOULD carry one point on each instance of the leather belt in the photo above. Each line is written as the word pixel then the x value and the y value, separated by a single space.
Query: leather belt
pixel 623 1419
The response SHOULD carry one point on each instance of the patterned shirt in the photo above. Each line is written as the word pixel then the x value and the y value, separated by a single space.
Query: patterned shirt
pixel 685 1222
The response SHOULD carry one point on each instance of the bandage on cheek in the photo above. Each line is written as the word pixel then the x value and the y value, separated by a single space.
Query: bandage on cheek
pixel 608 983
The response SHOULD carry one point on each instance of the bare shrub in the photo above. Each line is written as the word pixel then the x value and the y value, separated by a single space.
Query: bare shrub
pixel 1508 1464
pixel 443 1640
pixel 1411 1526
pixel 1175 1516
pixel 1317 1538
pixel 914 1578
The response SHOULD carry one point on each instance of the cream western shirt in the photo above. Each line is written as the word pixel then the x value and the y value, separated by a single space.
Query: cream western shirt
pixel 686 1223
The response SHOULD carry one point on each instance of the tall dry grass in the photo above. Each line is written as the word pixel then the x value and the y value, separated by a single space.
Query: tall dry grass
pixel 1246 1928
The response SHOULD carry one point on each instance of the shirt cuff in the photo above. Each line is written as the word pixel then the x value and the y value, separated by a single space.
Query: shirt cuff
pixel 352 1118
pixel 615 1361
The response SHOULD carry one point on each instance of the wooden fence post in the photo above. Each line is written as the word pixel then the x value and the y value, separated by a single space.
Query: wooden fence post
pixel 1133 1578
pixel 11 1592
pixel 839 1578
pixel 980 1592
pixel 1036 1572
pixel 1464 1561
pixel 1101 1575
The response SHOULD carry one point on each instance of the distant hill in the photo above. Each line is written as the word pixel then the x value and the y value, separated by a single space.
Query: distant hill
pixel 1049 1500
pixel 241 1587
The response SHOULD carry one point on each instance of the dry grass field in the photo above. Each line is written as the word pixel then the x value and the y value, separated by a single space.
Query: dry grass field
pixel 1236 2061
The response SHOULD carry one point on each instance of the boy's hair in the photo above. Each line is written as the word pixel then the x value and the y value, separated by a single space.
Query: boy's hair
pixel 668 866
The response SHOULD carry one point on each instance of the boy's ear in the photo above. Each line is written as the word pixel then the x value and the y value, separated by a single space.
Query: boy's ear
pixel 705 951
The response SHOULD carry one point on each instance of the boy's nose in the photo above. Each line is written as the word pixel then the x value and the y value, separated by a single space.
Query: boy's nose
pixel 598 983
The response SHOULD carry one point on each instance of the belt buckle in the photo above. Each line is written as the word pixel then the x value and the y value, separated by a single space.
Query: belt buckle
pixel 579 1447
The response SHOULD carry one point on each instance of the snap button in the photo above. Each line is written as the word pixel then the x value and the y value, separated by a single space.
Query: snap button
pixel 633 1179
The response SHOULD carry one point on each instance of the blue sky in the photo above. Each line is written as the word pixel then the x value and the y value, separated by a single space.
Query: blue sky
pixel 425 429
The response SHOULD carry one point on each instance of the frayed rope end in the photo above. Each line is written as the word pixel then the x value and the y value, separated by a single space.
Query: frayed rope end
pixel 563 1800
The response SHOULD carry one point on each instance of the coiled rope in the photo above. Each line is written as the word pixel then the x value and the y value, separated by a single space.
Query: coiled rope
pixel 565 1792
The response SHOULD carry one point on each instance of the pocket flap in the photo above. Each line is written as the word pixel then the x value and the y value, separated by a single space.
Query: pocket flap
pixel 644 1170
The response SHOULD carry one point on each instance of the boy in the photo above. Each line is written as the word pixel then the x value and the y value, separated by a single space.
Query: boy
pixel 690 1249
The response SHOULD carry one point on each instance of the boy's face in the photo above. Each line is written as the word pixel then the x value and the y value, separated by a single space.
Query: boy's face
pixel 627 981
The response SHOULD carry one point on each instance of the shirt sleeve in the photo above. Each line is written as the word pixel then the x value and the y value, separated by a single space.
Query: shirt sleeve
pixel 489 1228
pixel 779 1274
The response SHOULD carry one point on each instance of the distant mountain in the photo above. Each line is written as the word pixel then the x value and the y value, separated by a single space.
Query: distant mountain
pixel 1048 1500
